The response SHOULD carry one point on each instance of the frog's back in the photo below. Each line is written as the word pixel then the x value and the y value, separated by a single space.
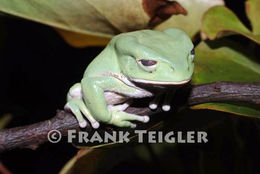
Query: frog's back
pixel 106 61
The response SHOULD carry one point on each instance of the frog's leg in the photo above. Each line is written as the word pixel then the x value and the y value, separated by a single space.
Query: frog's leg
pixel 123 119
pixel 126 116
pixel 93 95
pixel 76 105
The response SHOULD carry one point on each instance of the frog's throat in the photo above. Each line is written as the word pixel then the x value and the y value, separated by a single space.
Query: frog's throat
pixel 159 82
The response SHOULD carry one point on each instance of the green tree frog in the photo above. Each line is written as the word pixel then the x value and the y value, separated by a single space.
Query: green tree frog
pixel 133 65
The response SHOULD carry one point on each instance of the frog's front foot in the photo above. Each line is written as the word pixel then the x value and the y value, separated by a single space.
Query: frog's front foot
pixel 122 119
pixel 77 107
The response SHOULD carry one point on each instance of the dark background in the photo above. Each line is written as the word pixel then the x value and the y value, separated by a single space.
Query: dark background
pixel 37 68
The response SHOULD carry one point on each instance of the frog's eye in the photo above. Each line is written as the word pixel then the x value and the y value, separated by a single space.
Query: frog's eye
pixel 148 65
pixel 192 53
pixel 146 62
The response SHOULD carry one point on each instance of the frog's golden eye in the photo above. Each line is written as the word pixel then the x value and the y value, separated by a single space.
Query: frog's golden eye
pixel 146 62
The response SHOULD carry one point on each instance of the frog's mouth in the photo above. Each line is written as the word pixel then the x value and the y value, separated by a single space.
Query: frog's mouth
pixel 160 82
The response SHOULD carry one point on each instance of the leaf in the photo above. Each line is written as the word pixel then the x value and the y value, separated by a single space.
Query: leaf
pixel 191 22
pixel 231 108
pixel 161 10
pixel 66 14
pixel 82 40
pixel 2 34
pixel 222 60
pixel 220 21
pixel 101 18
pixel 253 13
pixel 88 156
pixel 4 120
pixel 90 160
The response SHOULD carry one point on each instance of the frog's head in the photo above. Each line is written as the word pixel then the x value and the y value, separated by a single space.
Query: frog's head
pixel 155 57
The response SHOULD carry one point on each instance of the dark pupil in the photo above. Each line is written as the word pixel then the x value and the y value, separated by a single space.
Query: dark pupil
pixel 148 62
pixel 192 52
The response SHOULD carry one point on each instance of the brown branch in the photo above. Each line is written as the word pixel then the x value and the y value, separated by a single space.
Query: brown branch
pixel 32 136
pixel 225 92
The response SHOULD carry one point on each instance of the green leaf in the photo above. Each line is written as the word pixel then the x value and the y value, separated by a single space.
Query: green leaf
pixel 222 60
pixel 220 21
pixel 253 13
pixel 190 23
pixel 74 16
pixel 4 120
pixel 215 62
pixel 252 111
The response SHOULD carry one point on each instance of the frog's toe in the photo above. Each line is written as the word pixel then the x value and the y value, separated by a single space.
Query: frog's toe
pixel 166 107
pixel 95 125
pixel 146 119
pixel 153 106
pixel 122 119
pixel 155 102
pixel 134 117
pixel 83 124
pixel 71 106
pixel 77 107
pixel 127 124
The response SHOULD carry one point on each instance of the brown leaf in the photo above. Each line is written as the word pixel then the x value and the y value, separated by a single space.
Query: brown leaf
pixel 160 10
